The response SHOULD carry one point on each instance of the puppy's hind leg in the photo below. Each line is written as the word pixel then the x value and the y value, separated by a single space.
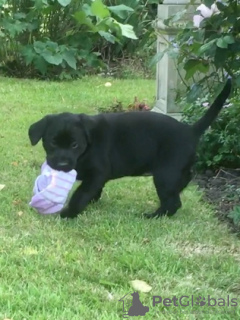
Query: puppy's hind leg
pixel 167 186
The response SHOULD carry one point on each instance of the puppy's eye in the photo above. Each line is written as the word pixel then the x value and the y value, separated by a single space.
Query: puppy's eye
pixel 74 145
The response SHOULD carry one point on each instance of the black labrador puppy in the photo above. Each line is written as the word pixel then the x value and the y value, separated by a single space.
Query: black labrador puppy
pixel 110 146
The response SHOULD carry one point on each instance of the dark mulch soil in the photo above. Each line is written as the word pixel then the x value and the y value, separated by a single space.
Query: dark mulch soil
pixel 222 189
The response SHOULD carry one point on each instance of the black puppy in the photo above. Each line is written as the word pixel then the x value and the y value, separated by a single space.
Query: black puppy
pixel 111 146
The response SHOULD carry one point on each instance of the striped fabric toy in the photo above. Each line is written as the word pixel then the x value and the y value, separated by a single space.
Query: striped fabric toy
pixel 51 189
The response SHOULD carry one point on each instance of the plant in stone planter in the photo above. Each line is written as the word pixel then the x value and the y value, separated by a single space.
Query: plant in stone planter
pixel 208 47
pixel 205 51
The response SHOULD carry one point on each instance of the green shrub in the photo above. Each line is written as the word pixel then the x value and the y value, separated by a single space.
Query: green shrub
pixel 206 51
pixel 235 215
pixel 57 38
pixel 220 145
pixel 141 18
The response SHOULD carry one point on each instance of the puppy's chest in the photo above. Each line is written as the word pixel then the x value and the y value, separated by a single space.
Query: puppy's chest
pixel 85 168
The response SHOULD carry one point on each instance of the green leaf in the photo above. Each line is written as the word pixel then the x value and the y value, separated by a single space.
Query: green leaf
pixel 173 53
pixel 237 81
pixel 207 46
pixel 40 64
pixel 194 65
pixel 195 47
pixel 229 39
pixel 121 10
pixel 55 59
pixel 38 4
pixel 157 57
pixel 208 3
pixel 68 56
pixel 87 9
pixel 39 46
pixel 108 36
pixel 15 27
pixel 99 9
pixel 28 53
pixel 221 43
pixel 82 18
pixel 220 57
pixel 19 15
pixel 52 45
pixel 194 93
pixel 64 3
pixel 127 30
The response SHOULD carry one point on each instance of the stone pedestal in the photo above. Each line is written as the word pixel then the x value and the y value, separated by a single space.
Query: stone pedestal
pixel 169 83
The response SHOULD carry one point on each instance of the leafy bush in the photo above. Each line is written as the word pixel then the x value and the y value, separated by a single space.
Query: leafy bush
pixel 220 146
pixel 141 17
pixel 57 38
pixel 208 46
pixel 235 215
pixel 205 51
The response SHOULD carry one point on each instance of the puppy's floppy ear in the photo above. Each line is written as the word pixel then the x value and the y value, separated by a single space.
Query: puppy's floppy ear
pixel 87 124
pixel 36 130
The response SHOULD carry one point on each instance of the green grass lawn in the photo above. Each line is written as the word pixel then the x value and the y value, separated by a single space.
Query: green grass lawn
pixel 78 270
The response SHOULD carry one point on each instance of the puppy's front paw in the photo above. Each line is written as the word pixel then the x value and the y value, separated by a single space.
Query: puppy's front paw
pixel 66 213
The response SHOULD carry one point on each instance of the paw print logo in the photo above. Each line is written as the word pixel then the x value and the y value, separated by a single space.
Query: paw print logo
pixel 200 301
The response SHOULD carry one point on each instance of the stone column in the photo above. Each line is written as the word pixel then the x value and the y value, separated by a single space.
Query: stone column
pixel 169 82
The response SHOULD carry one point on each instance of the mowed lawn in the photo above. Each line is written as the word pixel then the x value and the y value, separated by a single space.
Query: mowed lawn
pixel 52 269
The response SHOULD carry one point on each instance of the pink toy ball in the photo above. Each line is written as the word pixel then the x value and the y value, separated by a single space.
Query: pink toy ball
pixel 51 189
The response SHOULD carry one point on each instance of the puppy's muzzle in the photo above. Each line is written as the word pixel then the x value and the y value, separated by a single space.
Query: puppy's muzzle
pixel 63 164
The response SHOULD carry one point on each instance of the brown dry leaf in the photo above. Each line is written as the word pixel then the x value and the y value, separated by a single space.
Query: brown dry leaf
pixel 141 286
pixel 2 186
pixel 16 202
pixel 14 163
pixel 20 213
pixel 145 240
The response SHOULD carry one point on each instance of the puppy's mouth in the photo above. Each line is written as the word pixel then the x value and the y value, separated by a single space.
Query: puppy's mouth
pixel 60 166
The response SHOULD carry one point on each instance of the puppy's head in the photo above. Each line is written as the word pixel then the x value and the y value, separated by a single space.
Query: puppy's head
pixel 65 138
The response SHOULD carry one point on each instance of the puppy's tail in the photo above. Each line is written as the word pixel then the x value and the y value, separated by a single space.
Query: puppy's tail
pixel 202 124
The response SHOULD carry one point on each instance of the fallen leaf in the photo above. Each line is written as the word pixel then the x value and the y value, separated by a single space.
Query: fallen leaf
pixel 99 248
pixel 16 202
pixel 14 163
pixel 20 213
pixel 2 186
pixel 141 286
pixel 145 240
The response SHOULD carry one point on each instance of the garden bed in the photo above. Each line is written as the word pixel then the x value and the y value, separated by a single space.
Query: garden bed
pixel 222 189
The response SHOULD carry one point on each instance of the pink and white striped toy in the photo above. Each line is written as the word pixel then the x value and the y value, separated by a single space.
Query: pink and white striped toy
pixel 51 189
